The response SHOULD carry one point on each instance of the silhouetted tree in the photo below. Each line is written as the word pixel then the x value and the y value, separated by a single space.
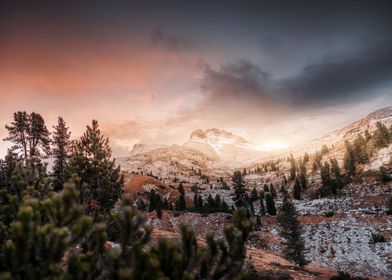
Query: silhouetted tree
pixel 61 154
pixel 29 134
pixel 101 181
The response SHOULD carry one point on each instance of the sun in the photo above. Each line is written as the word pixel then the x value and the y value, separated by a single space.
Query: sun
pixel 273 145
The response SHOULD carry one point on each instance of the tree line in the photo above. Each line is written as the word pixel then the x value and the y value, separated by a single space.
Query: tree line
pixel 62 225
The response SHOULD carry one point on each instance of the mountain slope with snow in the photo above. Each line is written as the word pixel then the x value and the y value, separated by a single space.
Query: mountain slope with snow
pixel 225 145
pixel 214 150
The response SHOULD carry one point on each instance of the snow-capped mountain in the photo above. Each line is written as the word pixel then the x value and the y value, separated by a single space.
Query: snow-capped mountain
pixel 338 137
pixel 210 150
pixel 216 150
pixel 223 144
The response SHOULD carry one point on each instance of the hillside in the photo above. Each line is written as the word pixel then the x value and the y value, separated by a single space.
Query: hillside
pixel 218 152
pixel 347 231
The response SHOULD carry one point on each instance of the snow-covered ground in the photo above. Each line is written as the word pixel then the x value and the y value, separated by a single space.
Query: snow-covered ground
pixel 345 241
pixel 347 245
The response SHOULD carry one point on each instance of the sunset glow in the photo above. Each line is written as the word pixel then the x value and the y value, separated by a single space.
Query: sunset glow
pixel 152 73
pixel 273 145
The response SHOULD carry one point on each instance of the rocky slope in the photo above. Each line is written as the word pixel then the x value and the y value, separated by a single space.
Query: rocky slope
pixel 210 151
pixel 215 151
pixel 345 239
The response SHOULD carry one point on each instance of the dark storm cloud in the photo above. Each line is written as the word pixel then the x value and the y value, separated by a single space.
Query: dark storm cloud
pixel 351 78
pixel 242 79
pixel 331 50
pixel 168 41
pixel 348 79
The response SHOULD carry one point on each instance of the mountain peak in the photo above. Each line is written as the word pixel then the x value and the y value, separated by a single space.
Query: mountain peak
pixel 198 133
pixel 216 135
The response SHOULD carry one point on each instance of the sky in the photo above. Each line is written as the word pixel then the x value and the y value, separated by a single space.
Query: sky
pixel 153 71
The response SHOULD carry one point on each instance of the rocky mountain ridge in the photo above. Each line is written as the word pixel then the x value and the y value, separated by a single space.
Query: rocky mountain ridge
pixel 216 150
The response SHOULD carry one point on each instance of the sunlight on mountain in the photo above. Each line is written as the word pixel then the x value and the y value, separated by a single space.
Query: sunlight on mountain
pixel 273 145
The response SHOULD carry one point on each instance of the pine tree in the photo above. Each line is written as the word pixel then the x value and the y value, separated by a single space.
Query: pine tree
pixel 141 205
pixel 165 204
pixel 325 174
pixel 18 133
pixel 297 190
pixel 285 194
pixel 291 232
pixel 41 233
pixel 270 203
pixel 29 134
pixel 50 238
pixel 101 181
pixel 20 180
pixel 284 180
pixel 262 207
pixel 195 201
pixel 389 206
pixel 324 150
pixel 381 136
pixel 253 195
pixel 349 159
pixel 383 175
pixel 335 170
pixel 262 194
pixel 314 167
pixel 302 175
pixel 273 191
pixel 200 202
pixel 158 210
pixel 251 272
pixel 293 168
pixel 210 202
pixel 368 137
pixel 61 154
pixel 273 166
pixel 181 189
pixel 359 147
pixel 180 203
pixel 152 200
pixel 218 201
pixel 38 136
pixel 239 188
pixel 306 158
